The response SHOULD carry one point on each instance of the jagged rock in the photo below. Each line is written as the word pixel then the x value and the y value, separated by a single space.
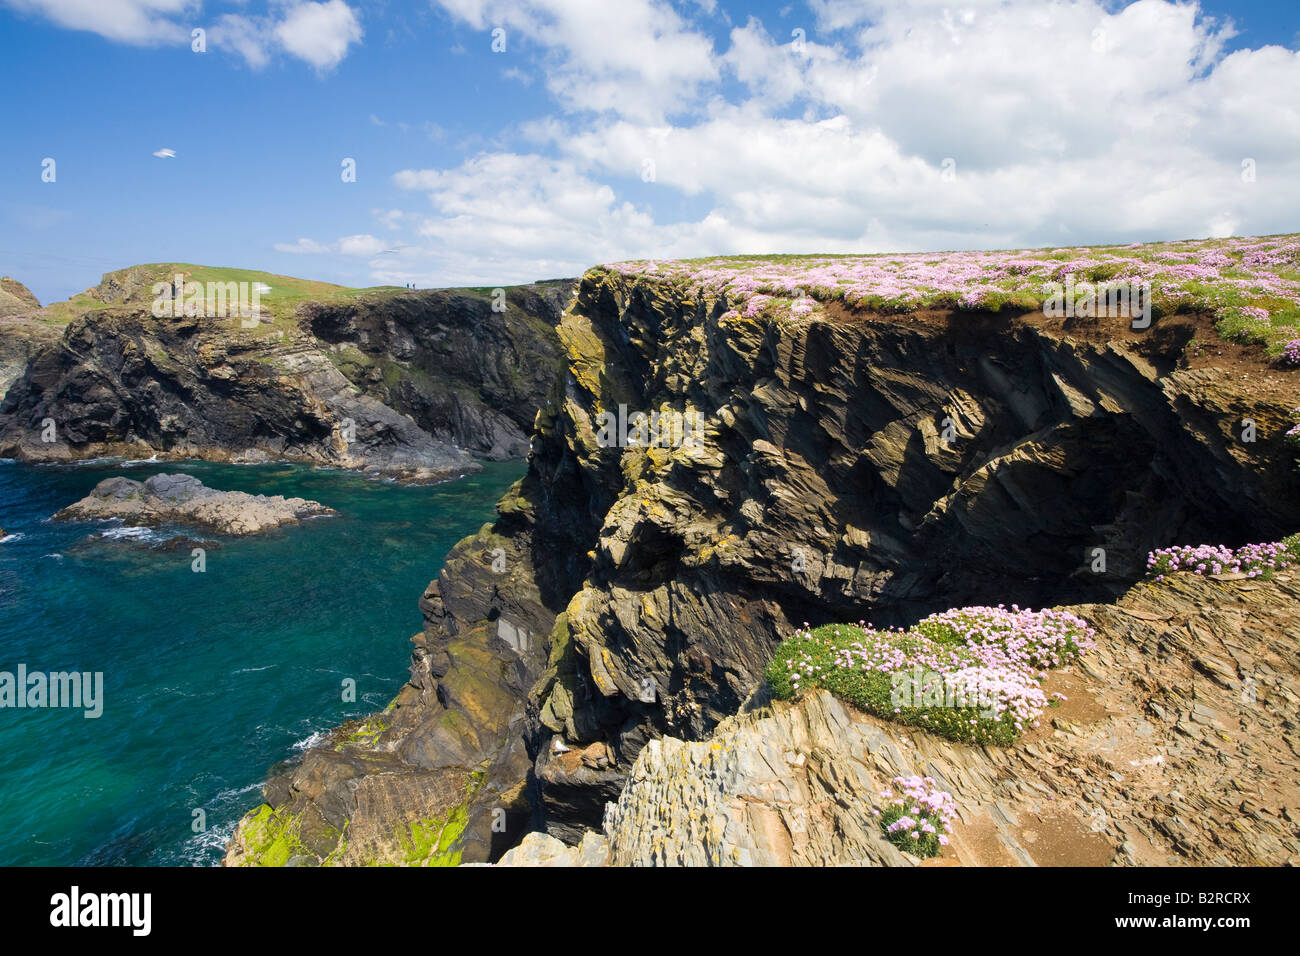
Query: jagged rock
pixel 183 499
pixel 538 849
pixel 16 298
pixel 655 582
pixel 23 333
pixel 406 384
pixel 796 783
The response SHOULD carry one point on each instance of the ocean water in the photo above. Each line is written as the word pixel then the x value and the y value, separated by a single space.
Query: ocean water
pixel 208 678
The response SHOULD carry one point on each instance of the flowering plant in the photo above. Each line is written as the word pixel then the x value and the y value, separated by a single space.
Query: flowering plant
pixel 1250 285
pixel 916 816
pixel 971 674
pixel 1252 560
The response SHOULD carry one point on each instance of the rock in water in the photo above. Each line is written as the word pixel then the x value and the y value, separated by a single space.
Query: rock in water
pixel 183 499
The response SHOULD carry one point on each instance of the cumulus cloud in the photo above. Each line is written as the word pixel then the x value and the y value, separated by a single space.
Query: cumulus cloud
pixel 361 246
pixel 319 33
pixel 631 58
pixel 125 21
pixel 508 217
pixel 242 35
pixel 883 125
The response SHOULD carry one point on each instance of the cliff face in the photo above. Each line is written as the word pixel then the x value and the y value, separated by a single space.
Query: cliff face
pixel 16 298
pixel 22 333
pixel 1176 744
pixel 464 373
pixel 825 452
pixel 330 382
pixel 851 464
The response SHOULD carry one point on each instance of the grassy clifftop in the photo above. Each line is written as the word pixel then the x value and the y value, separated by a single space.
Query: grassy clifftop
pixel 1250 285
pixel 134 284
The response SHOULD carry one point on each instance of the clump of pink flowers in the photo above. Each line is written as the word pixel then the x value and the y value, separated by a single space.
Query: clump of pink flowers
pixel 1252 560
pixel 916 816
pixel 1291 352
pixel 1038 640
pixel 1234 278
pixel 971 674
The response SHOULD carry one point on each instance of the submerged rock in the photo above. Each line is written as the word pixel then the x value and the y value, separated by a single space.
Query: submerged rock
pixel 183 499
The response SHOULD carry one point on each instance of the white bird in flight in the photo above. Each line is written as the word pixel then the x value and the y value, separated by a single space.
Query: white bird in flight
pixel 166 154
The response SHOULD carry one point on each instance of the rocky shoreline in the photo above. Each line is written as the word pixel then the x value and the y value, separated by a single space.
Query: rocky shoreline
pixel 183 499
pixel 893 463
pixel 400 384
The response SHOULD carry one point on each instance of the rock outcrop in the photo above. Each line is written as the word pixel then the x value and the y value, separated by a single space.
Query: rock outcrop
pixel 23 332
pixel 183 499
pixel 850 465
pixel 16 298
pixel 404 383
pixel 1176 744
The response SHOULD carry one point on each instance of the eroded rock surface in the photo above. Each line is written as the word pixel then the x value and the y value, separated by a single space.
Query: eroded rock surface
pixel 855 465
pixel 410 384
pixel 1176 745
pixel 183 499
pixel 22 331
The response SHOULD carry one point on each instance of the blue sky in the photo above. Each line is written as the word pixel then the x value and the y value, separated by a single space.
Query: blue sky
pixel 643 128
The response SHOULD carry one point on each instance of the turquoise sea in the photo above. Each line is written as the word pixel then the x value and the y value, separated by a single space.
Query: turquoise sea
pixel 209 678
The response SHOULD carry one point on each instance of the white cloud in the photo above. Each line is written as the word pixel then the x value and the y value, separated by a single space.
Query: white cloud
pixel 361 246
pixel 243 35
pixel 125 21
pixel 511 218
pixel 1075 122
pixel 303 246
pixel 630 58
pixel 319 33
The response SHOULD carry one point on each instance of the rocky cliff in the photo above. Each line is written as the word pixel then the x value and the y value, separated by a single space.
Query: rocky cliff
pixel 854 460
pixel 23 333
pixel 1177 744
pixel 410 383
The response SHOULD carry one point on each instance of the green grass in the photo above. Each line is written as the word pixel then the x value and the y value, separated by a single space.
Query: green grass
pixel 1011 280
pixel 278 305
pixel 969 674
pixel 871 690
pixel 271 838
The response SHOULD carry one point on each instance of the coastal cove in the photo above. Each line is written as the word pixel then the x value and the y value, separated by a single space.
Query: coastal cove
pixel 209 679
